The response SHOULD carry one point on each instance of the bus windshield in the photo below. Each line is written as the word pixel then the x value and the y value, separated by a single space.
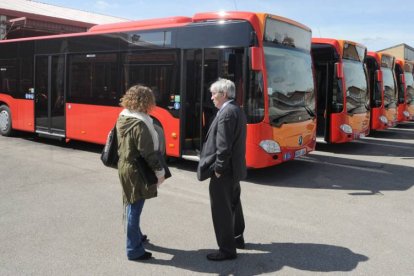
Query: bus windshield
pixel 290 85
pixel 390 97
pixel 409 82
pixel 357 97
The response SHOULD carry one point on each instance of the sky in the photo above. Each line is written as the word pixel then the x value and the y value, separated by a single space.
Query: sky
pixel 377 24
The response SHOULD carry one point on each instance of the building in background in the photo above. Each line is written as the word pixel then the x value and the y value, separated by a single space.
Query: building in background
pixel 402 51
pixel 24 18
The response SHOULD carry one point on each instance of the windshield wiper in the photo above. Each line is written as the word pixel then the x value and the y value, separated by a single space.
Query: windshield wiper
pixel 278 120
pixel 310 112
pixel 296 114
pixel 352 109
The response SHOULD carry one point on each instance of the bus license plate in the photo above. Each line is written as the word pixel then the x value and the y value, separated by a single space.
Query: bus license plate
pixel 300 152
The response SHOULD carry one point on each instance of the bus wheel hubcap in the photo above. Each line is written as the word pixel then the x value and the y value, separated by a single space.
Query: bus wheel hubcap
pixel 4 120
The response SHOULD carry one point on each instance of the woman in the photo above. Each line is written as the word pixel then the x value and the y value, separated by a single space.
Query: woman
pixel 137 137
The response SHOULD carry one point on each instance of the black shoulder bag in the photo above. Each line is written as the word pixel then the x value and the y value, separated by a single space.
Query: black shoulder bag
pixel 109 155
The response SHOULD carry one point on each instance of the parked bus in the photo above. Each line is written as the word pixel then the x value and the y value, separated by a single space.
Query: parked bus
pixel 402 112
pixel 409 88
pixel 342 90
pixel 69 85
pixel 383 91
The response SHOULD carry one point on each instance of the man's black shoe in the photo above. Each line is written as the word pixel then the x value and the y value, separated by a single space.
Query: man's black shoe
pixel 146 256
pixel 220 256
pixel 239 242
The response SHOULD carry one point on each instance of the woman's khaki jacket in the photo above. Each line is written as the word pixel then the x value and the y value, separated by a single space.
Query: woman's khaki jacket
pixel 134 140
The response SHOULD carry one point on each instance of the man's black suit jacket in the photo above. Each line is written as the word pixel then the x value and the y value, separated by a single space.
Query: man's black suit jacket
pixel 224 149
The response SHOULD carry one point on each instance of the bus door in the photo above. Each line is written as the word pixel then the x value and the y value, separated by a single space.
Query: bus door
pixel 49 95
pixel 200 70
pixel 401 97
pixel 378 120
pixel 191 119
pixel 202 67
pixel 323 80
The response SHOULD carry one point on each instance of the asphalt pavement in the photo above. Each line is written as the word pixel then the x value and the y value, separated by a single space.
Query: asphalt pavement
pixel 342 210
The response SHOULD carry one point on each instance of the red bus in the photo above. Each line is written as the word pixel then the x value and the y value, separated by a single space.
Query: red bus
pixel 402 112
pixel 69 86
pixel 383 90
pixel 409 88
pixel 342 90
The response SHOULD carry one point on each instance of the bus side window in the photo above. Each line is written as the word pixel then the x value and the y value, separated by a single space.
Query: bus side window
pixel 93 78
pixel 157 69
pixel 8 76
pixel 26 76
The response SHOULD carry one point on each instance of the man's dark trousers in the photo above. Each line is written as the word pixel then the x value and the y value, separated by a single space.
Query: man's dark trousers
pixel 226 210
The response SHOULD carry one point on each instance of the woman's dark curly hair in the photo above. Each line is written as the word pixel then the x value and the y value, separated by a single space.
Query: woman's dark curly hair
pixel 138 98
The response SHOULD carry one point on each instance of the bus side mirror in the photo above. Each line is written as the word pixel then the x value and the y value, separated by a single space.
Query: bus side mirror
pixel 337 107
pixel 378 75
pixel 339 70
pixel 402 78
pixel 256 59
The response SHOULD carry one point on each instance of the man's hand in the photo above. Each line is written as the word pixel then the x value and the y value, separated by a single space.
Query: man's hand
pixel 160 181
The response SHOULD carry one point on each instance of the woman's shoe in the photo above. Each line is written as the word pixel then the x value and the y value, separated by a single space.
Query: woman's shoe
pixel 146 256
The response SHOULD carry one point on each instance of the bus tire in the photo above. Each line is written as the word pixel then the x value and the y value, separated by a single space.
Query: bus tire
pixel 5 121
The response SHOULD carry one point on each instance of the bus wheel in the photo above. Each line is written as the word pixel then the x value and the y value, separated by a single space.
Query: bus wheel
pixel 5 121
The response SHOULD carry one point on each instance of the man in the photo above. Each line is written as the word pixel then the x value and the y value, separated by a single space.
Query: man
pixel 222 159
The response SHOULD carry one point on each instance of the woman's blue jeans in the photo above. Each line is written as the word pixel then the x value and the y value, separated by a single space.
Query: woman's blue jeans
pixel 134 246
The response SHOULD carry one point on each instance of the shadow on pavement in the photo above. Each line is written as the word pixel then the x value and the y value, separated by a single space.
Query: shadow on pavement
pixel 369 148
pixel 395 133
pixel 264 258
pixel 328 172
pixel 312 171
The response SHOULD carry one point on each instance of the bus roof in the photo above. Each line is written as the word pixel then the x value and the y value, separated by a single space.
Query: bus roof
pixel 256 19
pixel 377 54
pixel 400 62
pixel 408 65
pixel 133 25
pixel 379 57
pixel 337 43
pixel 249 16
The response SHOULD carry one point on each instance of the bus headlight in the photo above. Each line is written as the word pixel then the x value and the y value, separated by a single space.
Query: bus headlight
pixel 383 119
pixel 406 114
pixel 346 128
pixel 270 146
